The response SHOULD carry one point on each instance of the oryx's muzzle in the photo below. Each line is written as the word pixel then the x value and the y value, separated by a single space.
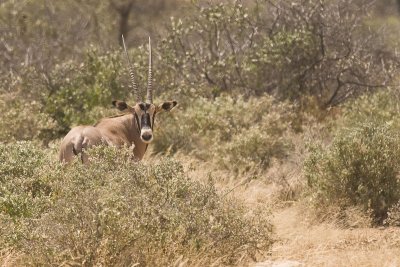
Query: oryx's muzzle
pixel 146 134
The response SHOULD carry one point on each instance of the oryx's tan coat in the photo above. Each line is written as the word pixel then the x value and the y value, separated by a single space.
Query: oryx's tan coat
pixel 134 129
pixel 117 131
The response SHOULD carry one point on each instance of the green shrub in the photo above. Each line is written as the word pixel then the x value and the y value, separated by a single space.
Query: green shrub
pixel 21 190
pixel 49 104
pixel 73 90
pixel 118 212
pixel 234 131
pixel 359 168
pixel 22 119
pixel 252 149
pixel 380 106
pixel 291 49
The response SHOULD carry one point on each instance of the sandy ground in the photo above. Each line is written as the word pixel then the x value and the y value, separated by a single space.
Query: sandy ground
pixel 301 240
pixel 303 244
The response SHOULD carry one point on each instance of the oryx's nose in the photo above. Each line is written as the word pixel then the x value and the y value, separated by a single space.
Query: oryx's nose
pixel 147 136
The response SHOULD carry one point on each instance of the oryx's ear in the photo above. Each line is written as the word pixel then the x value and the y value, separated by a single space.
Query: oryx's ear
pixel 120 105
pixel 166 106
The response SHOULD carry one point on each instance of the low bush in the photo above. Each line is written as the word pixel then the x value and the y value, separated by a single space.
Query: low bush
pixel 21 190
pixel 22 119
pixel 381 107
pixel 118 212
pixel 360 168
pixel 393 218
pixel 253 149
pixel 234 131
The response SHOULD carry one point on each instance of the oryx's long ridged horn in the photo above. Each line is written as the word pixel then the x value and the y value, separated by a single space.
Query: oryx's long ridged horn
pixel 132 74
pixel 150 77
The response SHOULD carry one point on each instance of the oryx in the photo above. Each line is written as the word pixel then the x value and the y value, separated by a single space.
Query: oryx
pixel 133 128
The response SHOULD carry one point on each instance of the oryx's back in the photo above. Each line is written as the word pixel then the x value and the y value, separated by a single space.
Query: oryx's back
pixel 78 138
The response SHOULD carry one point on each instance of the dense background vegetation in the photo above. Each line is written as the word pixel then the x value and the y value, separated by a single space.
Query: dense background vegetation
pixel 260 83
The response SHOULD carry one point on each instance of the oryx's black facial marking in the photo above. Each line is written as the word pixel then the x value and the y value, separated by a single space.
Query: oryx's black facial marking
pixel 144 106
pixel 145 120
pixel 137 122
pixel 144 116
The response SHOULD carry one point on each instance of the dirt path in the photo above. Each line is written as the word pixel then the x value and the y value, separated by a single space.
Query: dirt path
pixel 302 244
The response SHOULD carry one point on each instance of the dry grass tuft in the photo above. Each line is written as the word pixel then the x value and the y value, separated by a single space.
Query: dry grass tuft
pixel 327 244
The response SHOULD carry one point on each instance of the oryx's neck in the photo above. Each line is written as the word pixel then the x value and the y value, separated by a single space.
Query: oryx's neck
pixel 123 130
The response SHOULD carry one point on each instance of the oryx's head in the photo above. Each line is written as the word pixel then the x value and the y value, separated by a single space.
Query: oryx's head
pixel 144 112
